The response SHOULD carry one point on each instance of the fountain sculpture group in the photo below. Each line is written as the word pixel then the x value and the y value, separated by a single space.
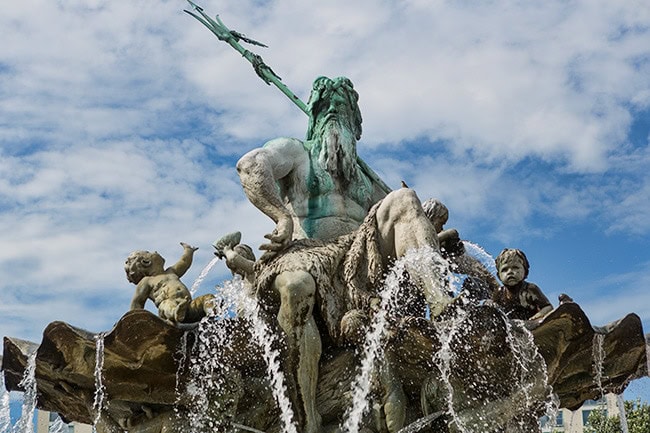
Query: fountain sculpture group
pixel 363 314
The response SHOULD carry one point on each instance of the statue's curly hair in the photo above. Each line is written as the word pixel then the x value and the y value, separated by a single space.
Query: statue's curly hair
pixel 434 209
pixel 138 264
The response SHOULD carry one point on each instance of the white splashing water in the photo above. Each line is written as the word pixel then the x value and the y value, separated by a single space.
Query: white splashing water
pixel 265 339
pixel 647 354
pixel 26 422
pixel 5 414
pixel 443 359
pixel 481 255
pixel 204 273
pixel 532 369
pixel 598 355
pixel 100 389
pixel 245 427
pixel 424 265
pixel 622 414
pixel 371 350
pixel 58 426
pixel 572 420
pixel 529 374
pixel 421 423
pixel 181 357
pixel 205 366
pixel 209 403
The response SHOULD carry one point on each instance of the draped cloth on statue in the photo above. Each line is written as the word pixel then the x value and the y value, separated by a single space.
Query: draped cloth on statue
pixel 347 270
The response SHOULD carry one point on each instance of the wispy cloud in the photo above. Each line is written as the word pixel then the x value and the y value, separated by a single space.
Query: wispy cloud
pixel 120 124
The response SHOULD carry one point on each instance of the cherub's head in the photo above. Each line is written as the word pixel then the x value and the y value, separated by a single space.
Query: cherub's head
pixel 437 213
pixel 142 264
pixel 512 266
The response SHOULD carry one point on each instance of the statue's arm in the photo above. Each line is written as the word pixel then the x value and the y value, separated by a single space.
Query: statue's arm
pixel 378 192
pixel 541 302
pixel 259 172
pixel 141 295
pixel 184 263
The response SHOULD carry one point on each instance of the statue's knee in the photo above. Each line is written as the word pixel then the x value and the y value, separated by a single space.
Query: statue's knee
pixel 405 198
pixel 295 285
pixel 401 204
pixel 297 291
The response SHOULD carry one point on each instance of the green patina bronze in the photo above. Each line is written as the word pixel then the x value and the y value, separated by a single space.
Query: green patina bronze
pixel 232 37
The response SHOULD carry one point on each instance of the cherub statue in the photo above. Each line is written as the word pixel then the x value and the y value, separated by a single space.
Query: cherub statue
pixel 517 297
pixel 164 287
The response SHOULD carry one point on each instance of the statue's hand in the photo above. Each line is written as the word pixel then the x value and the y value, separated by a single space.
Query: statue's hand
pixel 188 246
pixel 280 238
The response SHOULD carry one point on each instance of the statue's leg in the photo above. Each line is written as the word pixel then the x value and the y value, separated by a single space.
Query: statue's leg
pixel 297 291
pixel 200 307
pixel 173 309
pixel 394 396
pixel 403 226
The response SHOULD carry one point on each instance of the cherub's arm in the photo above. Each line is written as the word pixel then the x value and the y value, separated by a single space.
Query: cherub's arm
pixel 142 291
pixel 543 312
pixel 184 263
pixel 540 301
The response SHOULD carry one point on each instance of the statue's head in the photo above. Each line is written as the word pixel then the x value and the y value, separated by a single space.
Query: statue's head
pixel 142 264
pixel 333 98
pixel 437 213
pixel 512 266
pixel 334 126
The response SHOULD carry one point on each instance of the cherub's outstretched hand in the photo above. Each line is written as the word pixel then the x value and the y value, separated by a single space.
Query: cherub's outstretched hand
pixel 280 238
pixel 184 245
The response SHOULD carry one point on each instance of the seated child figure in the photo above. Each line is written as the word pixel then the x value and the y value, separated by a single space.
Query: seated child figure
pixel 518 298
pixel 164 287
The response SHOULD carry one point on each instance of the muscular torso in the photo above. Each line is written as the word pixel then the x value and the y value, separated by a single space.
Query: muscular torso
pixel 324 207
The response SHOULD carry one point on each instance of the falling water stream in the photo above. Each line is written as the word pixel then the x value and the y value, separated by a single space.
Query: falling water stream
pixel 572 420
pixel 622 415
pixel 28 383
pixel 421 423
pixel 647 354
pixel 425 263
pixel 528 372
pixel 264 338
pixel 5 414
pixel 598 355
pixel 207 376
pixel 202 275
pixel 481 255
pixel 58 426
pixel 446 332
pixel 100 389
pixel 371 352
pixel 207 390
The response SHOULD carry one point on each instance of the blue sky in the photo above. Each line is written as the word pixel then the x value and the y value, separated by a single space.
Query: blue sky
pixel 121 122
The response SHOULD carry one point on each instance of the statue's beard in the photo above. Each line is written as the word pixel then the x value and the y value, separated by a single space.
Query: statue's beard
pixel 336 151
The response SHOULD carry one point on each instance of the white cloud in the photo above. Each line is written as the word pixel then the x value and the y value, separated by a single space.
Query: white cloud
pixel 113 114
pixel 627 293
